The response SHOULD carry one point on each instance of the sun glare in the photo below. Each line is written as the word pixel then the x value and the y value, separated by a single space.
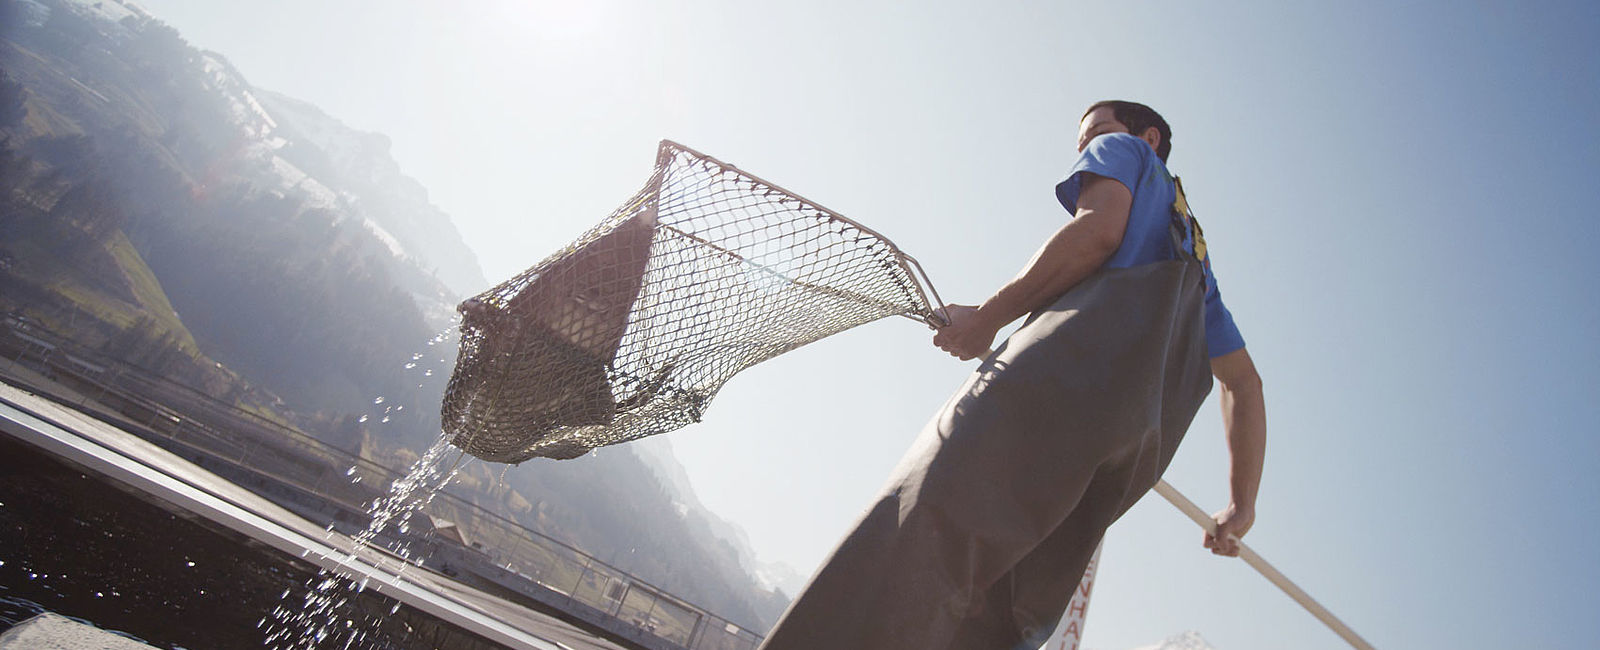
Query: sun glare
pixel 554 22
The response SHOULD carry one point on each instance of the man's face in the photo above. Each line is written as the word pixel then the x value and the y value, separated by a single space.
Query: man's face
pixel 1098 122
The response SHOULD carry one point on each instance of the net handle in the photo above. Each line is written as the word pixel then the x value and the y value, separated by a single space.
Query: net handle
pixel 936 318
pixel 919 279
pixel 1267 570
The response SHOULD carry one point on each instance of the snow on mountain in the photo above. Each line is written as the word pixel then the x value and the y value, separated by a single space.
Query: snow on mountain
pixel 1190 640
pixel 781 576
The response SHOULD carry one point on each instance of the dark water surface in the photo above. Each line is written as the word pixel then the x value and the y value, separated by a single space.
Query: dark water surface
pixel 82 547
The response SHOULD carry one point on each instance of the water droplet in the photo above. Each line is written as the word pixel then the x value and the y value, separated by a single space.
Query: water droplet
pixel 300 625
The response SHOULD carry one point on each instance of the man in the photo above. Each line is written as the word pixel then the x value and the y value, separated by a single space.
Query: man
pixel 983 531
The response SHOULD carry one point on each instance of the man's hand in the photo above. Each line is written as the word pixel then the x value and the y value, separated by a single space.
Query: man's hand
pixel 969 335
pixel 1232 523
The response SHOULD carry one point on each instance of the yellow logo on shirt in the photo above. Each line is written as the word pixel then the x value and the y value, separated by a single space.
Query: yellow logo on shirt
pixel 1181 205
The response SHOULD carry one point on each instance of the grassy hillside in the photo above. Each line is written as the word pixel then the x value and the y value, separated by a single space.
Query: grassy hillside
pixel 109 283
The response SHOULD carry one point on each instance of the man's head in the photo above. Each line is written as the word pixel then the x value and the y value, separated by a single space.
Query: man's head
pixel 1116 116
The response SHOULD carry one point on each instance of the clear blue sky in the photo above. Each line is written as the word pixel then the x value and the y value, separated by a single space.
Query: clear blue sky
pixel 1399 198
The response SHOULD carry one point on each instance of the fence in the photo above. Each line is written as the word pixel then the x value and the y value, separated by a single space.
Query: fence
pixel 318 480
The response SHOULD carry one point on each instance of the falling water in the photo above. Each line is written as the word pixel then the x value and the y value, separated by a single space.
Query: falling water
pixel 315 618
pixel 308 620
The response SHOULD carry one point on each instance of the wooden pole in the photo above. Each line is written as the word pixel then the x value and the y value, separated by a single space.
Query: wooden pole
pixel 1260 565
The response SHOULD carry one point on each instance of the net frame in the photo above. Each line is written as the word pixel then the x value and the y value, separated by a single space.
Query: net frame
pixel 632 329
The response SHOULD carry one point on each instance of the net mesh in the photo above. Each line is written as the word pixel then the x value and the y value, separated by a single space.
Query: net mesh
pixel 633 328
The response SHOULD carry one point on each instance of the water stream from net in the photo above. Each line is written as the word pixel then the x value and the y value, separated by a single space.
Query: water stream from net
pixel 317 615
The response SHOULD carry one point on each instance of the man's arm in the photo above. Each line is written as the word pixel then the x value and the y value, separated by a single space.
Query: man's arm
pixel 1071 254
pixel 1244 418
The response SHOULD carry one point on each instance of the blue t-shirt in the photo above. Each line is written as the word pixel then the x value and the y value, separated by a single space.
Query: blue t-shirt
pixel 1130 161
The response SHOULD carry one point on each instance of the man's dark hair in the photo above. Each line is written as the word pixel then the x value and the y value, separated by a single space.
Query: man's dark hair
pixel 1138 117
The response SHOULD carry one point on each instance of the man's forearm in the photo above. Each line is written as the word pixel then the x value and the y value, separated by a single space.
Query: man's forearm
pixel 1069 256
pixel 1244 417
pixel 1076 250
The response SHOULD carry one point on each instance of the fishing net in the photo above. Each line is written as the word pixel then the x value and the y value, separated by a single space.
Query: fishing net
pixel 632 329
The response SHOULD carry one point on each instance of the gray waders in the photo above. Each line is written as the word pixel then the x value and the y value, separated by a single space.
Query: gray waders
pixel 985 528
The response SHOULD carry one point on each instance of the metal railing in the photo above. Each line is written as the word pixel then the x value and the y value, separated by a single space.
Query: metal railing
pixel 320 481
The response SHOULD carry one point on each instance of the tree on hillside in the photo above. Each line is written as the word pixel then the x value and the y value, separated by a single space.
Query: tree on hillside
pixel 93 206
pixel 13 101
pixel 13 177
pixel 65 31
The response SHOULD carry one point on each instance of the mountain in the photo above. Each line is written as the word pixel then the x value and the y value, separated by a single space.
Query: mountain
pixel 1190 640
pixel 656 453
pixel 615 504
pixel 293 282
pixel 368 182
pixel 157 207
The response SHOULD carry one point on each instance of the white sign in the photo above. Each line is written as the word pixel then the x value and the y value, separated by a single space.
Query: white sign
pixel 1069 632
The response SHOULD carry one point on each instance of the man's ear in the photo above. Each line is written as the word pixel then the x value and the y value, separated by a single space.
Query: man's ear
pixel 1152 135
